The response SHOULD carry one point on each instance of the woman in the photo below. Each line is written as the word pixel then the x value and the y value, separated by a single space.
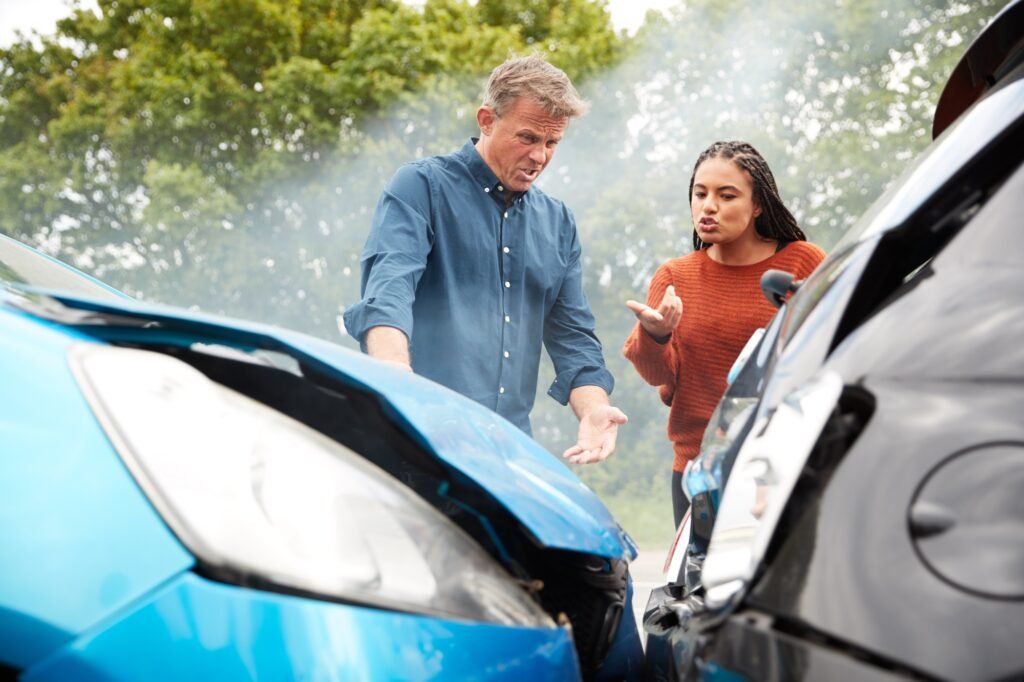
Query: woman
pixel 702 307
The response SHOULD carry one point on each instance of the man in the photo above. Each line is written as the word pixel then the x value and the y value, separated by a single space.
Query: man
pixel 468 268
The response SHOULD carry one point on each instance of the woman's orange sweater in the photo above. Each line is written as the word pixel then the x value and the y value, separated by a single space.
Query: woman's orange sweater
pixel 722 306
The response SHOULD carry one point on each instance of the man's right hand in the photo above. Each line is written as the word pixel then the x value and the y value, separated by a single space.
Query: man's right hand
pixel 659 322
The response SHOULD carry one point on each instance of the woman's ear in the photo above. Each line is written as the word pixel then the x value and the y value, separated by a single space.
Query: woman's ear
pixel 757 210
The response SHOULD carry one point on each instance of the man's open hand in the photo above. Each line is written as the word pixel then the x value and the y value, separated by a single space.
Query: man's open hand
pixel 595 440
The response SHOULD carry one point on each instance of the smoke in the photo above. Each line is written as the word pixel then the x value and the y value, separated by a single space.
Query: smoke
pixel 837 97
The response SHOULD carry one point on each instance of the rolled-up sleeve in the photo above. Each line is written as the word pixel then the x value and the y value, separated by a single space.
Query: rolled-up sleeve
pixel 569 335
pixel 394 256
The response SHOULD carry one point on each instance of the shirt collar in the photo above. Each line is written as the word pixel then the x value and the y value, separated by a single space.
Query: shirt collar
pixel 482 173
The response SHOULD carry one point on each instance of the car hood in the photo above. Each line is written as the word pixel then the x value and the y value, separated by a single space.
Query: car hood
pixel 535 487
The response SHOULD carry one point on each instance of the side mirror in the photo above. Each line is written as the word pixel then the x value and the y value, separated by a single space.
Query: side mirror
pixel 777 284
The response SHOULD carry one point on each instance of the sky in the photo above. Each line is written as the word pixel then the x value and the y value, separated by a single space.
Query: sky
pixel 42 15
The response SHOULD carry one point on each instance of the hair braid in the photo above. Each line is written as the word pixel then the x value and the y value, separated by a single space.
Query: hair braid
pixel 775 221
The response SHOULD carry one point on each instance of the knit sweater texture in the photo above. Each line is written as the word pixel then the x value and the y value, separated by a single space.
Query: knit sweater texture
pixel 722 306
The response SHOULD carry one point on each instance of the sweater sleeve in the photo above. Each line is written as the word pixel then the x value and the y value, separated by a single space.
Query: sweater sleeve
pixel 655 362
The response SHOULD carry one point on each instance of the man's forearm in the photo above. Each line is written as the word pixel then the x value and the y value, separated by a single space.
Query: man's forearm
pixel 388 344
pixel 584 399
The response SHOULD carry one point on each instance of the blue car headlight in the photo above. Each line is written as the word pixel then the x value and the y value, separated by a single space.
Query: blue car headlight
pixel 252 492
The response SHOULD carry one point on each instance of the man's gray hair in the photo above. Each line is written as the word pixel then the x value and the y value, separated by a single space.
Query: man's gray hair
pixel 535 78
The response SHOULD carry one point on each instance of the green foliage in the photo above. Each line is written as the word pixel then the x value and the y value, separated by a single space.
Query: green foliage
pixel 227 154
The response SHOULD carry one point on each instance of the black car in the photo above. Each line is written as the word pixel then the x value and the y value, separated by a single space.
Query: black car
pixel 858 503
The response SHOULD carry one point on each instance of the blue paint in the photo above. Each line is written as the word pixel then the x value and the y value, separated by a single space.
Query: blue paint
pixel 197 629
pixel 80 540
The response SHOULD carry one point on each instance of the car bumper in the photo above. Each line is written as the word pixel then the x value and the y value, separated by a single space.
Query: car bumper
pixel 744 647
pixel 193 628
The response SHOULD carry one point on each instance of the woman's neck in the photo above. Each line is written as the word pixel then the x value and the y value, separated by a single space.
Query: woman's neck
pixel 742 251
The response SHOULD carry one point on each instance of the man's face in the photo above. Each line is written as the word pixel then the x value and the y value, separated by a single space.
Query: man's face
pixel 519 145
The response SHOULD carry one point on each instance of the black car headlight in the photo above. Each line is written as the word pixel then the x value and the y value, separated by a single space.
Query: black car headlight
pixel 254 493
pixel 766 470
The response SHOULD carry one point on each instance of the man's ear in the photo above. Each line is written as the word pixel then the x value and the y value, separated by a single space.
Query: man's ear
pixel 485 119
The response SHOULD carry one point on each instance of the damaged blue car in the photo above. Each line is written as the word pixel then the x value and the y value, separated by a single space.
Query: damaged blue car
pixel 187 496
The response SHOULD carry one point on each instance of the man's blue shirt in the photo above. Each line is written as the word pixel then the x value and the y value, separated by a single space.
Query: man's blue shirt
pixel 477 286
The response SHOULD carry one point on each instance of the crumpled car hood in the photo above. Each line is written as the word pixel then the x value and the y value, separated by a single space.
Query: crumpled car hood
pixel 538 489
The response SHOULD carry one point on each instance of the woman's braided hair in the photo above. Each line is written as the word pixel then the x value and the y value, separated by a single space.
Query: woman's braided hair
pixel 775 221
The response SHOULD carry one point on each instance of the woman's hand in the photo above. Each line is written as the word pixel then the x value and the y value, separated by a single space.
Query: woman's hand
pixel 659 322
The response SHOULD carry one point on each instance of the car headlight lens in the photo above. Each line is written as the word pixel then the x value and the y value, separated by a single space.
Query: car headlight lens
pixel 766 469
pixel 255 494
pixel 705 472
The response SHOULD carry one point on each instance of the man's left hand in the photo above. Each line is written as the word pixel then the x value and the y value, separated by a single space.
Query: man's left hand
pixel 595 440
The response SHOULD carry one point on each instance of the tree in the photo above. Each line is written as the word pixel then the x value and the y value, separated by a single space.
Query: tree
pixel 165 136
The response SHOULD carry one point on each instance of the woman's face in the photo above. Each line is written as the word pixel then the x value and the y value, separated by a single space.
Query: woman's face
pixel 722 203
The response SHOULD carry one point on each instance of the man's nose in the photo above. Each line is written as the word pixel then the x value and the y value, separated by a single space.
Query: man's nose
pixel 539 154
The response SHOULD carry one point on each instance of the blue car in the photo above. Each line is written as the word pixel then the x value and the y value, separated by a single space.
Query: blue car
pixel 187 496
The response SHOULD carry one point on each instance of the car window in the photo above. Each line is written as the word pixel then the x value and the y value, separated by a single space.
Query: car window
pixel 21 265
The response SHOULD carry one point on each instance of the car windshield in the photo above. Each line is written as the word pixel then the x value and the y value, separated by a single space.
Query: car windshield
pixel 22 266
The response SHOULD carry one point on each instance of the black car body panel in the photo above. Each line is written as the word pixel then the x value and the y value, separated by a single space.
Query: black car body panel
pixel 849 569
pixel 944 364
pixel 961 316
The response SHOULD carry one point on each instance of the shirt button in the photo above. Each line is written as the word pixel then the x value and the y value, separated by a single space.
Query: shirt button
pixel 505 249
pixel 507 285
pixel 508 319
pixel 506 214
pixel 501 389
pixel 500 188
pixel 487 189
pixel 506 354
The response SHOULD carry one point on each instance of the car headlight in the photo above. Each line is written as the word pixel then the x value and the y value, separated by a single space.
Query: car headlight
pixel 706 471
pixel 260 498
pixel 766 469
